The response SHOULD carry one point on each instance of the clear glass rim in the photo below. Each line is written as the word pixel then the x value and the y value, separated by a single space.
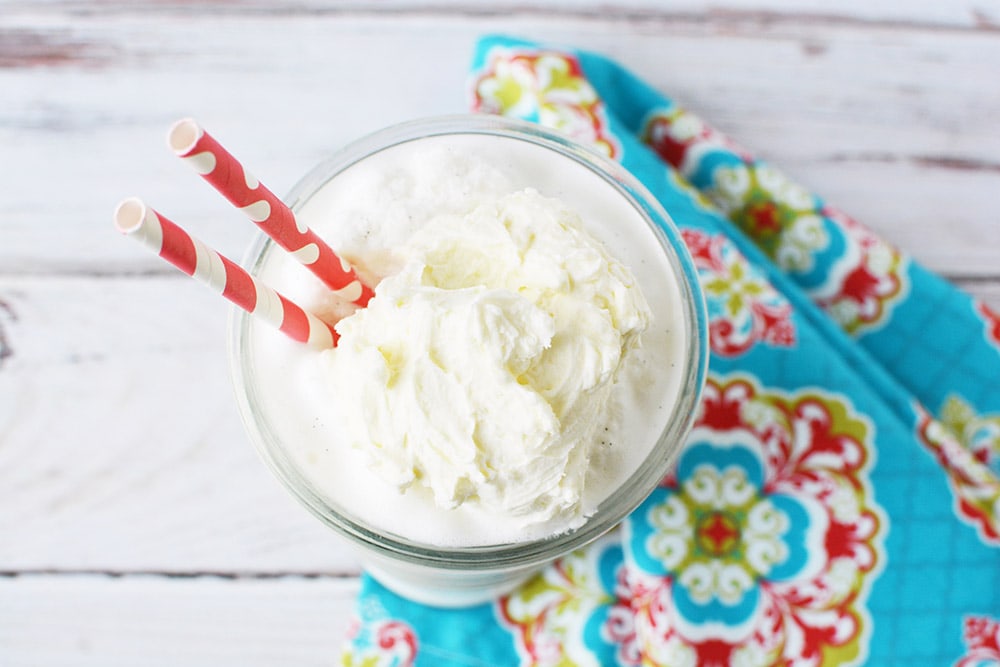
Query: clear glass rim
pixel 612 509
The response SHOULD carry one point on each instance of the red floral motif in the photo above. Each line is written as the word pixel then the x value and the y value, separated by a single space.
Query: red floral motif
pixel 976 488
pixel 673 134
pixel 619 628
pixel 814 449
pixel 785 220
pixel 867 285
pixel 535 638
pixel 399 639
pixel 547 615
pixel 982 642
pixel 381 644
pixel 547 87
pixel 743 307
pixel 992 321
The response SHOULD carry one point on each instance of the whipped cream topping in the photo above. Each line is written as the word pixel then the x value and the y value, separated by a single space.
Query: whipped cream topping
pixel 482 369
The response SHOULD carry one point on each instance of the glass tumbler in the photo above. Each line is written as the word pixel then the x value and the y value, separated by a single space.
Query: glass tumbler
pixel 450 576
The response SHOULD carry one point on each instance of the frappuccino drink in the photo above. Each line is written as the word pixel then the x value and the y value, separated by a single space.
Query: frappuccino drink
pixel 523 376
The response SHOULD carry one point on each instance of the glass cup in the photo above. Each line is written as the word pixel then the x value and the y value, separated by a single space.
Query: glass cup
pixel 462 576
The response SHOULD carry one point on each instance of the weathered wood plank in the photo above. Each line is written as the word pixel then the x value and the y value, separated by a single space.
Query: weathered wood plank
pixel 968 14
pixel 897 124
pixel 120 445
pixel 96 620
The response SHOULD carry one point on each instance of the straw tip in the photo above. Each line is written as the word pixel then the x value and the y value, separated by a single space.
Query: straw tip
pixel 183 135
pixel 129 215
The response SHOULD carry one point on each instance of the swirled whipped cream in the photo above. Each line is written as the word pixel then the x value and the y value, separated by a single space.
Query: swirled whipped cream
pixel 497 371
pixel 482 369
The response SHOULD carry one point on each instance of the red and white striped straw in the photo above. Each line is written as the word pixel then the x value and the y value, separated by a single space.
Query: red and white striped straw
pixel 227 175
pixel 187 253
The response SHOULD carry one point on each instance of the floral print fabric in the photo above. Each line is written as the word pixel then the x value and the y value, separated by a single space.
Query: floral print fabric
pixel 838 500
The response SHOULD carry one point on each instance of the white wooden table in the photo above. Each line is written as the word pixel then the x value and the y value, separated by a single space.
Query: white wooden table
pixel 137 525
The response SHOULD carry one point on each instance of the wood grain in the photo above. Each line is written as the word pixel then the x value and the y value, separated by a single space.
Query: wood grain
pixel 907 146
pixel 151 621
pixel 964 14
pixel 121 446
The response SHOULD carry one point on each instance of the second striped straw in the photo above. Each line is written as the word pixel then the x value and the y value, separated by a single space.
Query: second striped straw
pixel 187 253
pixel 226 174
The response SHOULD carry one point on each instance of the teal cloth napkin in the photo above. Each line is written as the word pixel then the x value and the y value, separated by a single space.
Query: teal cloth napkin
pixel 838 501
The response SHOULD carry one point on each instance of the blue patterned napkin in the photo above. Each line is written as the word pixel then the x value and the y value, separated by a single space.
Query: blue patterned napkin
pixel 838 501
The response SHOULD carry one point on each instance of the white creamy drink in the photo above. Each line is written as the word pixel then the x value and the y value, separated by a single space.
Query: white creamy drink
pixel 525 347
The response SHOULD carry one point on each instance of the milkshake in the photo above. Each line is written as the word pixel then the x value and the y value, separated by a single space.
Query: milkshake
pixel 523 377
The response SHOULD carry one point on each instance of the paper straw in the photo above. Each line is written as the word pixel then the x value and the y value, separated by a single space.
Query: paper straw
pixel 216 165
pixel 187 253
